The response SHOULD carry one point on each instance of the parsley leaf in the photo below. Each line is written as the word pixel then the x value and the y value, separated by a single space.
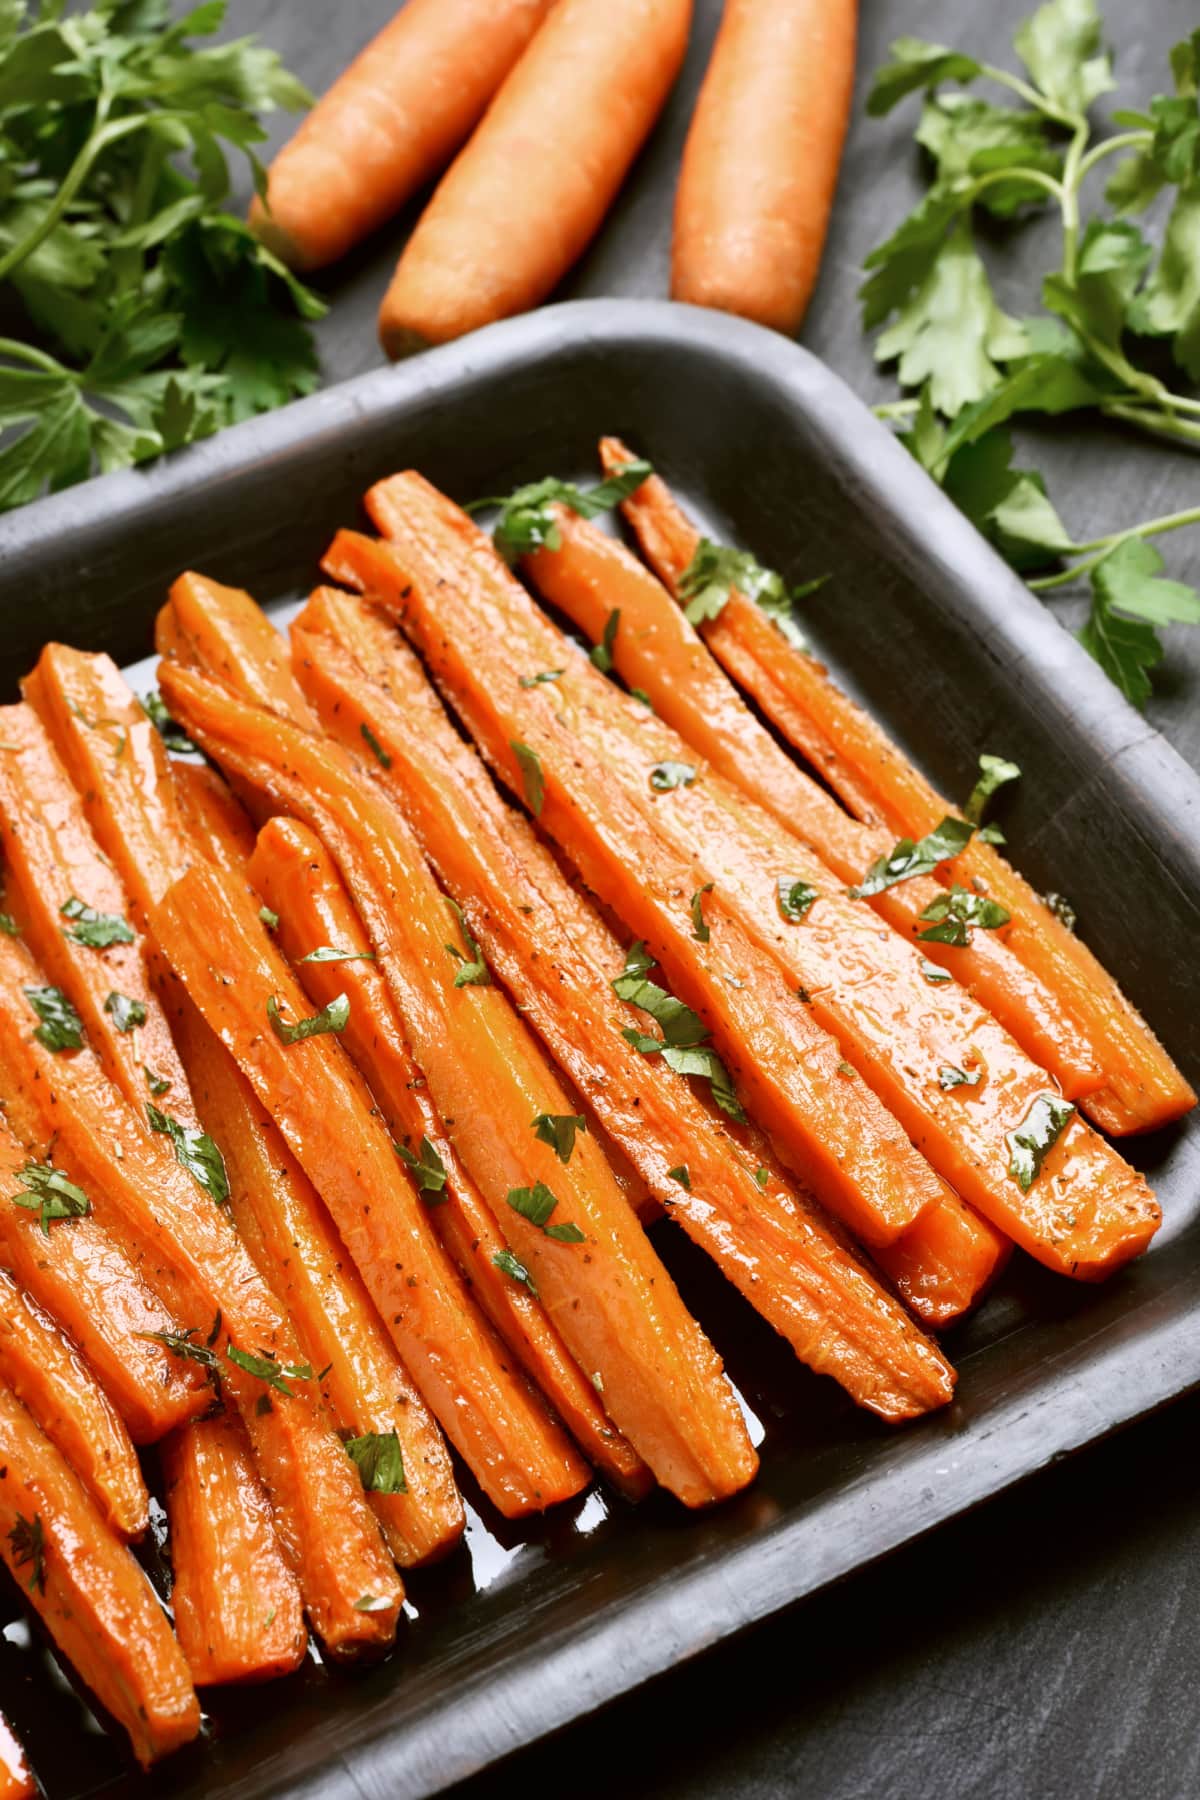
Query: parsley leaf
pixel 328 953
pixel 9 926
pixel 173 736
pixel 955 912
pixel 270 919
pixel 61 1027
pixel 949 1077
pixel 601 655
pixel 515 1269
pixel 48 1192
pixel 377 1457
pixel 334 1017
pixel 907 859
pixel 1130 598
pixel 716 570
pixel 187 1346
pixel 933 973
pixel 376 748
pixel 194 1151
pixel 473 971
pixel 532 780
pixel 1061 907
pixel 680 1174
pixel 915 65
pixel 995 772
pixel 428 1169
pixel 94 929
pixel 28 1541
pixel 536 1204
pixel 127 1014
pixel 528 681
pixel 795 897
pixel 667 775
pixel 700 930
pixel 267 1368
pixel 526 522
pixel 559 1131
pixel 1062 47
pixel 1036 1135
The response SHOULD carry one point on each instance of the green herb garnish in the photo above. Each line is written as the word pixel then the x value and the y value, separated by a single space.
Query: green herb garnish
pixel 28 1542
pixel 700 930
pixel 61 1027
pixel 127 1014
pixel 94 929
pixel 536 1204
pixel 174 737
pixel 950 1077
pixel 681 1175
pixel 472 971
pixel 377 1457
pixel 908 859
pixel 268 918
pixel 269 1369
pixel 559 1131
pixel 956 911
pixel 526 522
pixel 194 1151
pixel 48 1192
pixel 715 571
pixel 667 775
pixel 995 772
pixel 515 1269
pixel 795 897
pixel 427 1168
pixel 528 681
pixel 601 655
pixel 327 953
pixel 532 779
pixel 334 1017
pixel 9 926
pixel 1036 1136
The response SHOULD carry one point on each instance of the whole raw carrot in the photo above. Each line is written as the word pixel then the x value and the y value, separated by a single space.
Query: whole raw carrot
pixel 389 123
pixel 16 1779
pixel 89 1592
pixel 1142 1088
pixel 238 1612
pixel 761 161
pixel 51 1379
pixel 531 188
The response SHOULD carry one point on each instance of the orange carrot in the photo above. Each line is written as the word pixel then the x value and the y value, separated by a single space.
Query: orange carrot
pixel 254 659
pixel 389 123
pixel 213 816
pixel 297 1251
pixel 89 1592
pixel 56 868
pixel 237 1605
pixel 85 1280
pixel 299 880
pixel 557 959
pixel 530 190
pixel 591 576
pixel 661 1380
pixel 325 1115
pixel 1143 1088
pixel 1087 1213
pixel 190 1255
pixel 51 1379
pixel 761 161
pixel 16 1781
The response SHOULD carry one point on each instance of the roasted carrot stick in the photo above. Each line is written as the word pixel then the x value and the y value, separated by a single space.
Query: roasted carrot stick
pixel 16 1780
pixel 557 958
pixel 297 1251
pixel 213 816
pixel 655 649
pixel 530 190
pixel 75 911
pixel 1087 1213
pixel 761 161
pixel 662 1383
pixel 299 880
pixel 325 1115
pixel 237 1606
pixel 86 1281
pixel 47 1374
pixel 389 123
pixel 1143 1088
pixel 190 1255
pixel 89 1592
pixel 253 659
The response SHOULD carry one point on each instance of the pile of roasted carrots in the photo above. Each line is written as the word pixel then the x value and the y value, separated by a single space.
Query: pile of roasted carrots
pixel 535 110
pixel 343 1071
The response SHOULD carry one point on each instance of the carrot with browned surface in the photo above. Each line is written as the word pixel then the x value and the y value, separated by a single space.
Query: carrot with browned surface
pixel 761 161
pixel 213 816
pixel 89 1592
pixel 1143 1089
pixel 49 1376
pixel 237 1606
pixel 530 190
pixel 253 658
pixel 662 1381
pixel 391 121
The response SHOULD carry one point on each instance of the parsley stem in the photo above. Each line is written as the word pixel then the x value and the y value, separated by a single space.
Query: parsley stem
pixel 1031 96
pixel 1125 140
pixel 1102 546
pixel 1070 200
pixel 896 409
pixel 27 353
pixel 100 139
pixel 1156 416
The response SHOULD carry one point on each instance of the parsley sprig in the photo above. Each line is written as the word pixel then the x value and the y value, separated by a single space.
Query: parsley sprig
pixel 151 314
pixel 1112 299
pixel 526 522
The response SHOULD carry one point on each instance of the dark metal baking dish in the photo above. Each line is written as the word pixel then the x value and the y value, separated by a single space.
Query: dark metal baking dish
pixel 930 629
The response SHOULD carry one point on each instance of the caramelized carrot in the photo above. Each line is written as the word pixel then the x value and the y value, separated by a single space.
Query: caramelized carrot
pixel 86 1281
pixel 213 816
pixel 1087 1212
pixel 655 649
pixel 299 880
pixel 525 197
pixel 89 1592
pixel 16 1781
pixel 662 1382
pixel 325 1115
pixel 253 659
pixel 391 121
pixel 55 866
pixel 237 1606
pixel 297 1251
pixel 51 1379
pixel 188 1252
pixel 557 959
pixel 1143 1088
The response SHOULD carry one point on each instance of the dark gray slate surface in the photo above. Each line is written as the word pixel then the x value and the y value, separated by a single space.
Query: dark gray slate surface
pixel 1045 1649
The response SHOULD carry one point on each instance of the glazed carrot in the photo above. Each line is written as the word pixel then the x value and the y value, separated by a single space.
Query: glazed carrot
pixel 297 1251
pixel 661 1380
pixel 85 1280
pixel 1087 1213
pixel 16 1781
pixel 299 880
pixel 557 958
pixel 89 1592
pixel 253 659
pixel 530 190
pixel 52 1381
pixel 325 1115
pixel 55 866
pixel 389 123
pixel 787 1067
pixel 238 1612
pixel 189 1254
pixel 655 649
pixel 213 816
pixel 1143 1088
pixel 761 161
